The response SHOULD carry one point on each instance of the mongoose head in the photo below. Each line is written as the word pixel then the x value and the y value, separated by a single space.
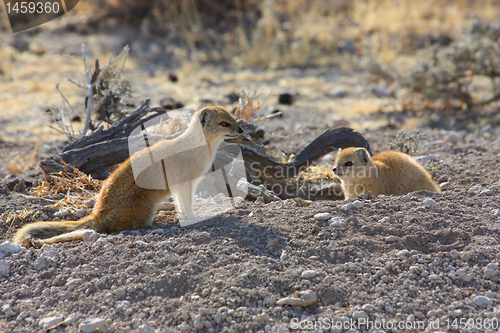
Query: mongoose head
pixel 218 124
pixel 353 163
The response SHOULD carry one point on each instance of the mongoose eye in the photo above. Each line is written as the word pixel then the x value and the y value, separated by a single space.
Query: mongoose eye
pixel 348 163
pixel 224 124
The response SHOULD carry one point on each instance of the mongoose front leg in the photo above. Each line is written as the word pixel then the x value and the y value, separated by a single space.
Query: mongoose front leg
pixel 184 195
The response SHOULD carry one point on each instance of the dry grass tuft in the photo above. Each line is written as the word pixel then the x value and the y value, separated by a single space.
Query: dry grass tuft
pixel 76 185
pixel 247 109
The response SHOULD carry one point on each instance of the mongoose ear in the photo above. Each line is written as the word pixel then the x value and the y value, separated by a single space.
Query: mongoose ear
pixel 362 155
pixel 339 150
pixel 206 116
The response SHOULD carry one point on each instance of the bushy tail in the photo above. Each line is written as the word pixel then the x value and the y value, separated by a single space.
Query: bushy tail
pixel 39 233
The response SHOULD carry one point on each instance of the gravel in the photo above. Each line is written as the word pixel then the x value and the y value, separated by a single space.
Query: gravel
pixel 265 267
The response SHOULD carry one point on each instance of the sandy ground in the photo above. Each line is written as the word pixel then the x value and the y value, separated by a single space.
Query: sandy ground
pixel 421 262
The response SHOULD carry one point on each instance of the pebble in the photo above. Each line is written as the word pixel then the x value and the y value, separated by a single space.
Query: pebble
pixel 391 239
pixel 166 206
pixel 402 253
pixel 486 192
pixel 47 322
pixel 496 212
pixel 385 220
pixel 205 292
pixel 454 254
pixel 92 324
pixel 90 236
pixel 492 265
pixel 300 298
pixel 489 273
pixel 338 93
pixel 474 188
pixel 360 315
pixel 322 216
pixel 184 327
pixel 357 204
pixel 145 328
pixel 262 318
pixel 337 222
pixel 406 198
pixel 90 203
pixel 81 212
pixel 430 202
pixel 348 206
pixel 455 313
pixel 308 274
pixel 4 268
pixel 284 255
pixel 198 324
pixel 158 232
pixel 8 248
pixel 62 213
pixel 482 301
pixel 466 256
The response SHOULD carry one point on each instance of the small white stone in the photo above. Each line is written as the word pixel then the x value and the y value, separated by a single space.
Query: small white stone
pixel 262 318
pixel 92 324
pixel 406 198
pixel 205 292
pixel 81 212
pixel 385 220
pixel 145 328
pixel 454 254
pixel 360 315
pixel 198 324
pixel 482 301
pixel 368 307
pixel 90 236
pixel 308 274
pixel 322 216
pixel 489 273
pixel 184 327
pixel 166 206
pixel 357 204
pixel 158 231
pixel 391 239
pixel 430 202
pixel 492 265
pixel 474 188
pixel 9 248
pixel 465 256
pixel 284 255
pixel 486 192
pixel 455 313
pixel 348 206
pixel 47 322
pixel 34 313
pixel 4 268
pixel 337 222
pixel 496 212
pixel 62 213
pixel 402 253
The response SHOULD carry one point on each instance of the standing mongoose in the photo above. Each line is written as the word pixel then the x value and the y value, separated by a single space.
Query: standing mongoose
pixel 129 197
pixel 389 172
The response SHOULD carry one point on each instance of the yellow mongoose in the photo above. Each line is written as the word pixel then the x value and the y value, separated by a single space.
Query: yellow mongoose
pixel 126 202
pixel 390 172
